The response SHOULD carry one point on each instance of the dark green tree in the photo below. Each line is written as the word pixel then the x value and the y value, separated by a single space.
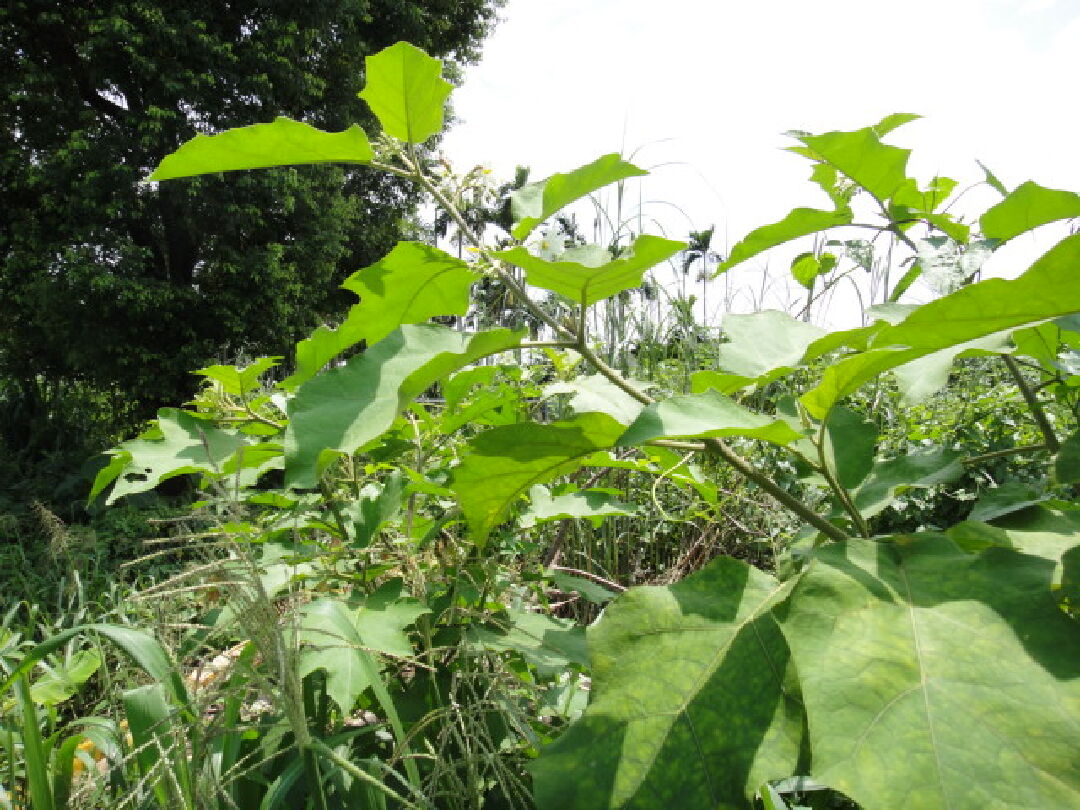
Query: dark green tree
pixel 112 289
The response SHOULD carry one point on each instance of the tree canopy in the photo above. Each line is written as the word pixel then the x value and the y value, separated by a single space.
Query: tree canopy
pixel 119 287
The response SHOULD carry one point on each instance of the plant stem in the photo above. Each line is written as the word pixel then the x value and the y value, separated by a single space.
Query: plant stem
pixel 715 446
pixel 1033 403
pixel 1008 451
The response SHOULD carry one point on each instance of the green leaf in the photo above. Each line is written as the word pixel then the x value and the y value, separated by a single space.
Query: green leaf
pixel 328 628
pixel 589 590
pixel 892 121
pixel 536 202
pixel 594 277
pixel 992 181
pixel 504 462
pixel 806 267
pixel 150 721
pixel 701 381
pixel 877 167
pixel 1012 496
pixel 935 678
pixel 765 342
pixel 850 441
pixel 549 644
pixel 889 478
pixel 348 407
pixel 927 375
pixel 799 222
pixel 406 91
pixel 283 143
pixel 700 415
pixel 595 392
pixel 1067 461
pixel 63 679
pixel 592 504
pixel 693 702
pixel 1026 208
pixel 189 444
pixel 412 283
pixel 1048 289
pixel 239 381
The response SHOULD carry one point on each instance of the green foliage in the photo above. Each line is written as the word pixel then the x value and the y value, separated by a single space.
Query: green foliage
pixel 928 666
pixel 115 289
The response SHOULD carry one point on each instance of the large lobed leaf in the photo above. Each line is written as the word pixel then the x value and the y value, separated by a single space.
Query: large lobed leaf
pixel 406 91
pixel 587 282
pixel 877 167
pixel 703 415
pixel 1048 289
pixel 934 678
pixel 535 202
pixel 412 283
pixel 504 462
pixel 1026 208
pixel 344 409
pixel 282 143
pixel 693 700
pixel 187 444
pixel 799 222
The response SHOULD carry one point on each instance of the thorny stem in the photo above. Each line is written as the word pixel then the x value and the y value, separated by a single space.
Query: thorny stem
pixel 1033 403
pixel 714 446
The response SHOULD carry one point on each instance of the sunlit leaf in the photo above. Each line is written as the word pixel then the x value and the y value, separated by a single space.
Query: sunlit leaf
pixel 763 342
pixel 239 381
pixel 1026 208
pixel 344 409
pixel 703 415
pixel 283 143
pixel 936 678
pixel 411 284
pixel 800 222
pixel 594 392
pixel 693 702
pixel 1048 289
pixel 588 278
pixel 591 504
pixel 536 202
pixel 406 91
pixel 188 444
pixel 877 167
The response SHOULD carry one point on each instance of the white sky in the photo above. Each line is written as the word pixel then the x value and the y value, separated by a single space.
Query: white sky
pixel 708 86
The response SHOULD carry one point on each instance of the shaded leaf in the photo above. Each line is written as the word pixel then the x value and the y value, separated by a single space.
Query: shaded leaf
pixel 890 477
pixel 536 202
pixel 963 663
pixel 282 143
pixel 504 462
pixel 406 91
pixel 344 409
pixel 693 704
pixel 1012 496
pixel 594 277
pixel 549 644
pixel 1067 461
pixel 701 415
pixel 850 441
